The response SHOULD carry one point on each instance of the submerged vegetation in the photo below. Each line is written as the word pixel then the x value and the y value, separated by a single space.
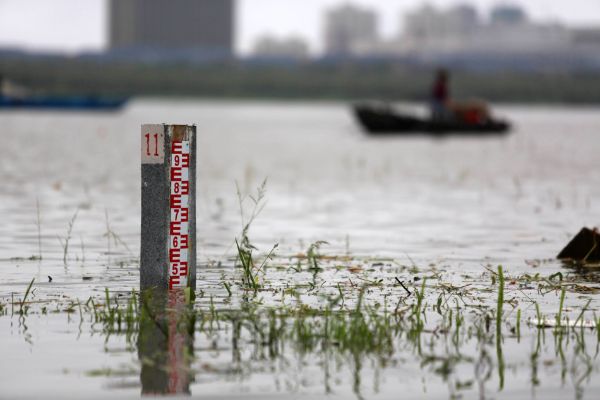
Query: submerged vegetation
pixel 64 241
pixel 350 319
pixel 371 325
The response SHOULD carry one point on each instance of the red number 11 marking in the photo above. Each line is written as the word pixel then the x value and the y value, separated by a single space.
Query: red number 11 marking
pixel 155 144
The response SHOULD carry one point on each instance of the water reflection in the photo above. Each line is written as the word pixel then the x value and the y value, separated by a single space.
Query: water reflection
pixel 166 343
pixel 353 353
pixel 356 344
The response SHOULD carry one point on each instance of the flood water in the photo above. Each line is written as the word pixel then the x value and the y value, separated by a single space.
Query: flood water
pixel 448 211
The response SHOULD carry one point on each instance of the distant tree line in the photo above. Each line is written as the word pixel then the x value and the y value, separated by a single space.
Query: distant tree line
pixel 339 81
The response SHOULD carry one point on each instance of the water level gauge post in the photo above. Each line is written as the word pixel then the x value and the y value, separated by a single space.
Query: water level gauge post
pixel 168 226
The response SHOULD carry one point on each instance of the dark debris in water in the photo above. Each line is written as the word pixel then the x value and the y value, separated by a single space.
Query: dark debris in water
pixel 584 248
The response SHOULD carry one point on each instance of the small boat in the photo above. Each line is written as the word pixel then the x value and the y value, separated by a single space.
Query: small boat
pixel 382 119
pixel 74 103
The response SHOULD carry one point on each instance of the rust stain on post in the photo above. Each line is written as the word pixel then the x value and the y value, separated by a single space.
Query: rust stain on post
pixel 180 133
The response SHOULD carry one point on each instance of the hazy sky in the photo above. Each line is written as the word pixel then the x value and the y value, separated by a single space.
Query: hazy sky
pixel 74 25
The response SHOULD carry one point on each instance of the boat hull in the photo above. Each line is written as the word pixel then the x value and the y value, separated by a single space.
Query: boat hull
pixel 62 103
pixel 383 120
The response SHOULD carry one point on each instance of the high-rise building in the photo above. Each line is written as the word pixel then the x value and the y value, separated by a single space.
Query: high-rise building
pixel 430 24
pixel 459 29
pixel 204 25
pixel 586 37
pixel 508 15
pixel 349 27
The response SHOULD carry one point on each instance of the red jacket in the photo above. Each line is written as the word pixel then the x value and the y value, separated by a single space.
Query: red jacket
pixel 440 91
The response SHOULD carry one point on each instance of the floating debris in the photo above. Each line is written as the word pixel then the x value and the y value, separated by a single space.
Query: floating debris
pixel 564 323
pixel 583 248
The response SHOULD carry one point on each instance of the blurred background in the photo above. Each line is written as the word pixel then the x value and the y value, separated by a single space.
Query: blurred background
pixel 232 67
pixel 518 51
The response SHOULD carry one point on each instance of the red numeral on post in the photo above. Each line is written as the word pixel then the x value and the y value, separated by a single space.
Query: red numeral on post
pixel 147 136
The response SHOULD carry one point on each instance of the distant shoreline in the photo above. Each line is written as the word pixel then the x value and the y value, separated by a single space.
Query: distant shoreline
pixel 337 82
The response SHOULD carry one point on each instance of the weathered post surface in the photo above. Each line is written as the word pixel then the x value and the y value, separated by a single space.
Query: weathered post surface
pixel 168 248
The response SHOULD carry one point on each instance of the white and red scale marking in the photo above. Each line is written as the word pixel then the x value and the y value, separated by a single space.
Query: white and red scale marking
pixel 179 227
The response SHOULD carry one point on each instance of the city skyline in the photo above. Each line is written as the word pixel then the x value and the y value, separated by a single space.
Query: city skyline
pixel 87 27
pixel 202 24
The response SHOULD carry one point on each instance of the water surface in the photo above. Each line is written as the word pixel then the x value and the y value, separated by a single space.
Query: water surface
pixel 450 210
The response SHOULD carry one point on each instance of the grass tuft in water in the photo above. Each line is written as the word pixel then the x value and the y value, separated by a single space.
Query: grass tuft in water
pixel 23 308
pixel 519 324
pixel 39 227
pixel 500 304
pixel 64 242
pixel 110 234
pixel 560 308
pixel 417 308
pixel 250 276
pixel 245 249
pixel 500 301
pixel 228 288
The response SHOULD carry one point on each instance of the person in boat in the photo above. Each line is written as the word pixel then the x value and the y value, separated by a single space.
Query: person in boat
pixel 440 95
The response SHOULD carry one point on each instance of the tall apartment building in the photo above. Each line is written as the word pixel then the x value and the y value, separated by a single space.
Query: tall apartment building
pixel 460 29
pixel 205 25
pixel 348 28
